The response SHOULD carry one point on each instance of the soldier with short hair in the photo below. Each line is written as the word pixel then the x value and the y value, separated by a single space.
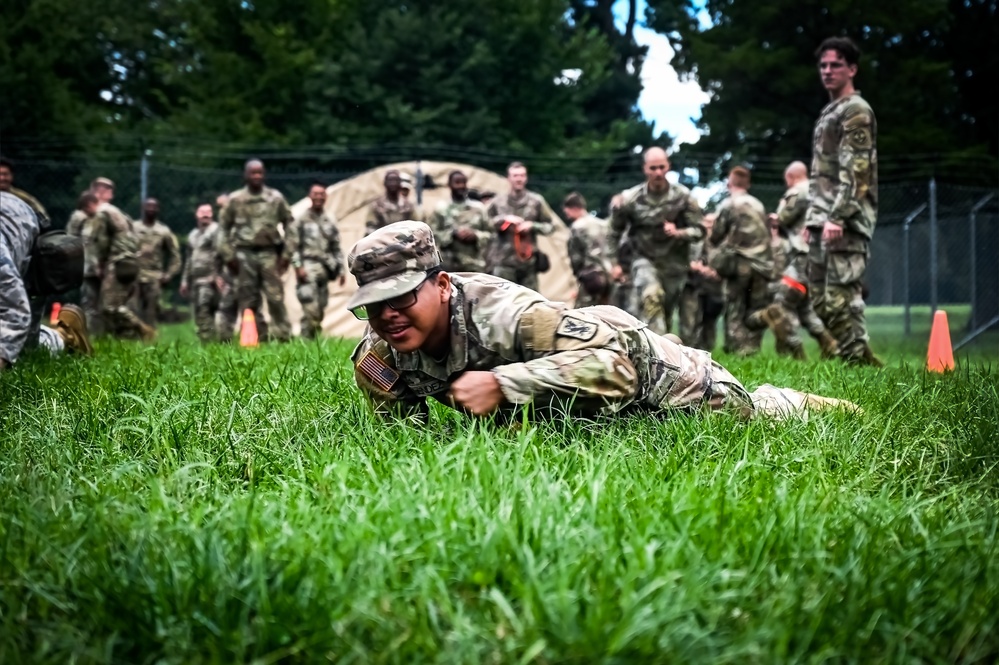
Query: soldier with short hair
pixel 661 220
pixel 251 244
pixel 745 262
pixel 587 248
pixel 317 258
pixel 518 217
pixel 19 227
pixel 482 344
pixel 792 292
pixel 158 246
pixel 843 203
pixel 198 280
pixel 113 254
pixel 391 207
pixel 461 228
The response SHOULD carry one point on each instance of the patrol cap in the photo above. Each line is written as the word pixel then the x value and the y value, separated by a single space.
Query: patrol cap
pixel 107 182
pixel 391 261
pixel 406 180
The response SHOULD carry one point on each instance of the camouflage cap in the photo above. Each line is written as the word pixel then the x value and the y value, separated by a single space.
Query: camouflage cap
pixel 107 182
pixel 391 261
pixel 406 180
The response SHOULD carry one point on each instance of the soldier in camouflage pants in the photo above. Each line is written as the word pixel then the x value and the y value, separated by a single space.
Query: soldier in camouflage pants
pixel 461 228
pixel 317 258
pixel 843 206
pixel 518 218
pixel 587 253
pixel 157 246
pixel 251 244
pixel 201 270
pixel 703 299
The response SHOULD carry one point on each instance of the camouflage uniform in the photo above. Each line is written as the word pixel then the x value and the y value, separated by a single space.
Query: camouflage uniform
pixel 384 212
pixel 250 233
pixel 90 289
pixel 791 291
pixel 116 250
pixel 588 257
pixel 660 280
pixel 74 226
pixel 315 244
pixel 590 361
pixel 502 258
pixel 702 302
pixel 458 255
pixel 745 261
pixel 843 191
pixel 156 243
pixel 202 267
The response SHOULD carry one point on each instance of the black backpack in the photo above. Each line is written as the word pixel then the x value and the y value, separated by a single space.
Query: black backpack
pixel 56 264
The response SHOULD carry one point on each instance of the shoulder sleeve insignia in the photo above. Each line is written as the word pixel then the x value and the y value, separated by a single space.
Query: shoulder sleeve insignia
pixel 373 367
pixel 579 329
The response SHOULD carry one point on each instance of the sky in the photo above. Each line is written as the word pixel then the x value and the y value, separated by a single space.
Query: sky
pixel 673 105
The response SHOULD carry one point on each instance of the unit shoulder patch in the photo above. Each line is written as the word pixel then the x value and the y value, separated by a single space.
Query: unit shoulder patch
pixel 580 329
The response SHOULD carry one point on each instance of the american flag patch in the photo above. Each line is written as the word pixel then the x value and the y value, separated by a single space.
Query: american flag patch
pixel 375 369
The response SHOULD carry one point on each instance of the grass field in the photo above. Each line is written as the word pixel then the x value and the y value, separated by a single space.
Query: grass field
pixel 179 504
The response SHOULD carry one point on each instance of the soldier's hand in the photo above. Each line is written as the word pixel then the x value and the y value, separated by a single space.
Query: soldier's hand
pixel 183 291
pixel 221 285
pixel 805 235
pixel 524 226
pixel 669 228
pixel 282 265
pixel 343 280
pixel 233 266
pixel 465 234
pixel 301 275
pixel 831 232
pixel 477 392
pixel 616 272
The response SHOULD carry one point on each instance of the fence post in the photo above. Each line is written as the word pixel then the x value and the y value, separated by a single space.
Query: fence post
pixel 905 261
pixel 144 177
pixel 933 245
pixel 973 221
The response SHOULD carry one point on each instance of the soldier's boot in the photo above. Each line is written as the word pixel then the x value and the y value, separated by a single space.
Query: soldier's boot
pixel 870 359
pixel 773 315
pixel 828 344
pixel 71 325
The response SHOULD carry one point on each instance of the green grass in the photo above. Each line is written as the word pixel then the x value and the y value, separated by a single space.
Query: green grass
pixel 180 504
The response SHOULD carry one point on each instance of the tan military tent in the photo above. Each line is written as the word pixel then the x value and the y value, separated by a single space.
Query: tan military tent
pixel 349 201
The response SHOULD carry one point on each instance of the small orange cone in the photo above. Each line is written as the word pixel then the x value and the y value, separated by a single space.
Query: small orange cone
pixel 54 317
pixel 248 330
pixel 940 356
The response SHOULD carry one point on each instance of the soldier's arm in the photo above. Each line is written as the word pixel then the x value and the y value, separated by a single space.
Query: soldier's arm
pixel 293 242
pixel 172 248
pixel 223 243
pixel 484 231
pixel 545 225
pixel 372 223
pixel 185 273
pixel 383 389
pixel 855 149
pixel 791 210
pixel 287 221
pixel 334 252
pixel 571 355
pixel 577 250
pixel 101 237
pixel 496 218
pixel 438 223
pixel 619 222
pixel 722 222
pixel 15 308
pixel 693 220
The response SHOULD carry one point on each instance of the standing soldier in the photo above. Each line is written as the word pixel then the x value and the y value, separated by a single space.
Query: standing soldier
pixel 74 226
pixel 157 246
pixel 745 261
pixel 90 290
pixel 518 217
pixel 791 269
pixel 661 221
pixel 461 228
pixel 390 208
pixel 843 203
pixel 317 258
pixel 202 268
pixel 703 299
pixel 115 255
pixel 587 253
pixel 226 315
pixel 251 244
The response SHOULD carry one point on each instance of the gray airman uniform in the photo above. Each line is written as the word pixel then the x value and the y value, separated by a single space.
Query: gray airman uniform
pixel 591 361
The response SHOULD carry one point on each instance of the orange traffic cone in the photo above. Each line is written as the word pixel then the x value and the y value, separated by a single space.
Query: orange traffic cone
pixel 248 330
pixel 54 317
pixel 940 356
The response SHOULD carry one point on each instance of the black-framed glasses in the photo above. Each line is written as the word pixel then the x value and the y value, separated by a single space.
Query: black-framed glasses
pixel 398 303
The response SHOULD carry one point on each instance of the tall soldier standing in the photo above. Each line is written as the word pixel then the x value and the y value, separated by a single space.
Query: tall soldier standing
pixel 157 244
pixel 519 217
pixel 201 271
pixel 844 202
pixel 316 255
pixel 251 244
pixel 661 220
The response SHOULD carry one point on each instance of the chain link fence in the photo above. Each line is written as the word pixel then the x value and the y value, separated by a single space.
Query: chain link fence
pixel 935 244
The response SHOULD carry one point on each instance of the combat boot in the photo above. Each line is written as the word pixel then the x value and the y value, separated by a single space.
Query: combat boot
pixel 147 333
pixel 773 316
pixel 71 325
pixel 829 345
pixel 870 358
